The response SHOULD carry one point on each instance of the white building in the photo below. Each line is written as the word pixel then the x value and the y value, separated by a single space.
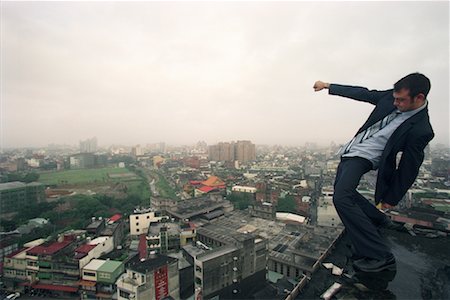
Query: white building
pixel 326 212
pixel 140 221
pixel 90 270
pixel 95 248
pixel 243 189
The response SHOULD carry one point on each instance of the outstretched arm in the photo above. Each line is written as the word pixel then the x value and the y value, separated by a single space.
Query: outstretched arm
pixel 353 92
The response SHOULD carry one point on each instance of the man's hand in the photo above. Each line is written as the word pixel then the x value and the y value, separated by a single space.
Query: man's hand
pixel 320 85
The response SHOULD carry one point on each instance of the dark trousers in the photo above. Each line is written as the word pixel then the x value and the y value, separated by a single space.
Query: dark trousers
pixel 359 216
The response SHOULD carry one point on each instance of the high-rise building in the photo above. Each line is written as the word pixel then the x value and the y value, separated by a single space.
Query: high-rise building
pixel 137 151
pixel 245 151
pixel 242 151
pixel 88 146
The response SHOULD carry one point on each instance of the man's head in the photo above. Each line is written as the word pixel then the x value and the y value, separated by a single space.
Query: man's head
pixel 411 91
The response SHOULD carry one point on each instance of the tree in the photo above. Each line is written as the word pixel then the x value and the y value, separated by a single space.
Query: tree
pixel 241 200
pixel 287 204
pixel 30 177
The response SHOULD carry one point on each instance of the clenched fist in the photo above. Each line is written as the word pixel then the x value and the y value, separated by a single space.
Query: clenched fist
pixel 320 85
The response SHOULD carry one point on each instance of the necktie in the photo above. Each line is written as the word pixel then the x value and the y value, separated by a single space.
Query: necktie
pixel 369 132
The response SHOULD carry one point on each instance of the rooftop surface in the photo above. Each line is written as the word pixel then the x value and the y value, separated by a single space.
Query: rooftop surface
pixel 17 185
pixel 51 248
pixel 216 253
pixel 294 244
pixel 423 271
pixel 195 207
pixel 94 264
pixel 150 264
pixel 109 266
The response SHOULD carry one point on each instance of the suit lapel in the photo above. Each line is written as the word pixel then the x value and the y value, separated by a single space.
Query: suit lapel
pixel 403 129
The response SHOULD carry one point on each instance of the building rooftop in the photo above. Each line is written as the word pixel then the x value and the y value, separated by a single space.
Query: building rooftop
pixel 94 264
pixel 207 189
pixel 110 229
pixel 422 271
pixel 196 207
pixel 300 245
pixel 172 228
pixel 17 185
pixel 214 181
pixel 109 266
pixel 150 264
pixel 193 250
pixel 52 248
pixel 211 254
pixel 95 224
pixel 115 218
pixel 99 240
pixel 85 248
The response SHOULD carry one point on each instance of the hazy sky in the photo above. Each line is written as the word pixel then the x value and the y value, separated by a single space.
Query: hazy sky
pixel 180 72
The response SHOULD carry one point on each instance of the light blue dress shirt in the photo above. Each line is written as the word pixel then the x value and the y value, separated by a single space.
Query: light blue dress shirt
pixel 372 148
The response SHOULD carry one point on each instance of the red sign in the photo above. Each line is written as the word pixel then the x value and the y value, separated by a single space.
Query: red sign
pixel 161 283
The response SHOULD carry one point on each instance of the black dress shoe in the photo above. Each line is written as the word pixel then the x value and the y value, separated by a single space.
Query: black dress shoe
pixel 375 265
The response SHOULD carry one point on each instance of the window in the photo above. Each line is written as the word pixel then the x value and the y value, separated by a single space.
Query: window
pixel 87 273
pixel 124 294
pixel 137 230
pixel 137 218
pixel 137 224
pixel 148 217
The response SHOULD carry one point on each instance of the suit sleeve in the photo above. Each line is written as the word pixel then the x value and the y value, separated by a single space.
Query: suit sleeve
pixel 408 170
pixel 357 93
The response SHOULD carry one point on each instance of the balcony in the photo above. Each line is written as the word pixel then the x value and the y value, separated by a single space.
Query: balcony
pixel 127 284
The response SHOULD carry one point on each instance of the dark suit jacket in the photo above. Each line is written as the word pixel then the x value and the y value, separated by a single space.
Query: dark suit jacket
pixel 411 137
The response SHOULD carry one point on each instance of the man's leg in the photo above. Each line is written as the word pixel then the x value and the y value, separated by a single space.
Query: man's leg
pixel 370 210
pixel 361 230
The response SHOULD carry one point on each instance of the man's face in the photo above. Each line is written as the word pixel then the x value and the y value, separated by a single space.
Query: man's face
pixel 403 101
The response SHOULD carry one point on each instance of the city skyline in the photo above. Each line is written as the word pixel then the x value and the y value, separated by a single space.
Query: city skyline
pixel 180 72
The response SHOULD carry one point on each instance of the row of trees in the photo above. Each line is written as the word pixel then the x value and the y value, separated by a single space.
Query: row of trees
pixel 19 176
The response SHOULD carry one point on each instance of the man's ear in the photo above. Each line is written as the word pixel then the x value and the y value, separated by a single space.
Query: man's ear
pixel 420 97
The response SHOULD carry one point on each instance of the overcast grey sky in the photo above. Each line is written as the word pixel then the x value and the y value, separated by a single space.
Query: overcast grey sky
pixel 180 72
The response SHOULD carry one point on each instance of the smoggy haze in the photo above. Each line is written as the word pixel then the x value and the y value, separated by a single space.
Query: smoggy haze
pixel 180 72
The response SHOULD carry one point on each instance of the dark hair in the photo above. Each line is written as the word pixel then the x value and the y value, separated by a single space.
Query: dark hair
pixel 416 83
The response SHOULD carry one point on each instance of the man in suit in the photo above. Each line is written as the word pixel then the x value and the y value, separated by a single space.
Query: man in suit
pixel 398 123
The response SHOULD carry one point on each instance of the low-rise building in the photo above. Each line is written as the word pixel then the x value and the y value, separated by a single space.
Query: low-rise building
pixel 140 220
pixel 99 278
pixel 233 268
pixel 15 195
pixel 244 189
pixel 154 278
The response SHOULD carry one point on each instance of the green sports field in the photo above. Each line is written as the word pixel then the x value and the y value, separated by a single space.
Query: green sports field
pixel 86 176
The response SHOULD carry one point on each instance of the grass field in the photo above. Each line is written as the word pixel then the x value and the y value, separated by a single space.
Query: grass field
pixel 83 176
